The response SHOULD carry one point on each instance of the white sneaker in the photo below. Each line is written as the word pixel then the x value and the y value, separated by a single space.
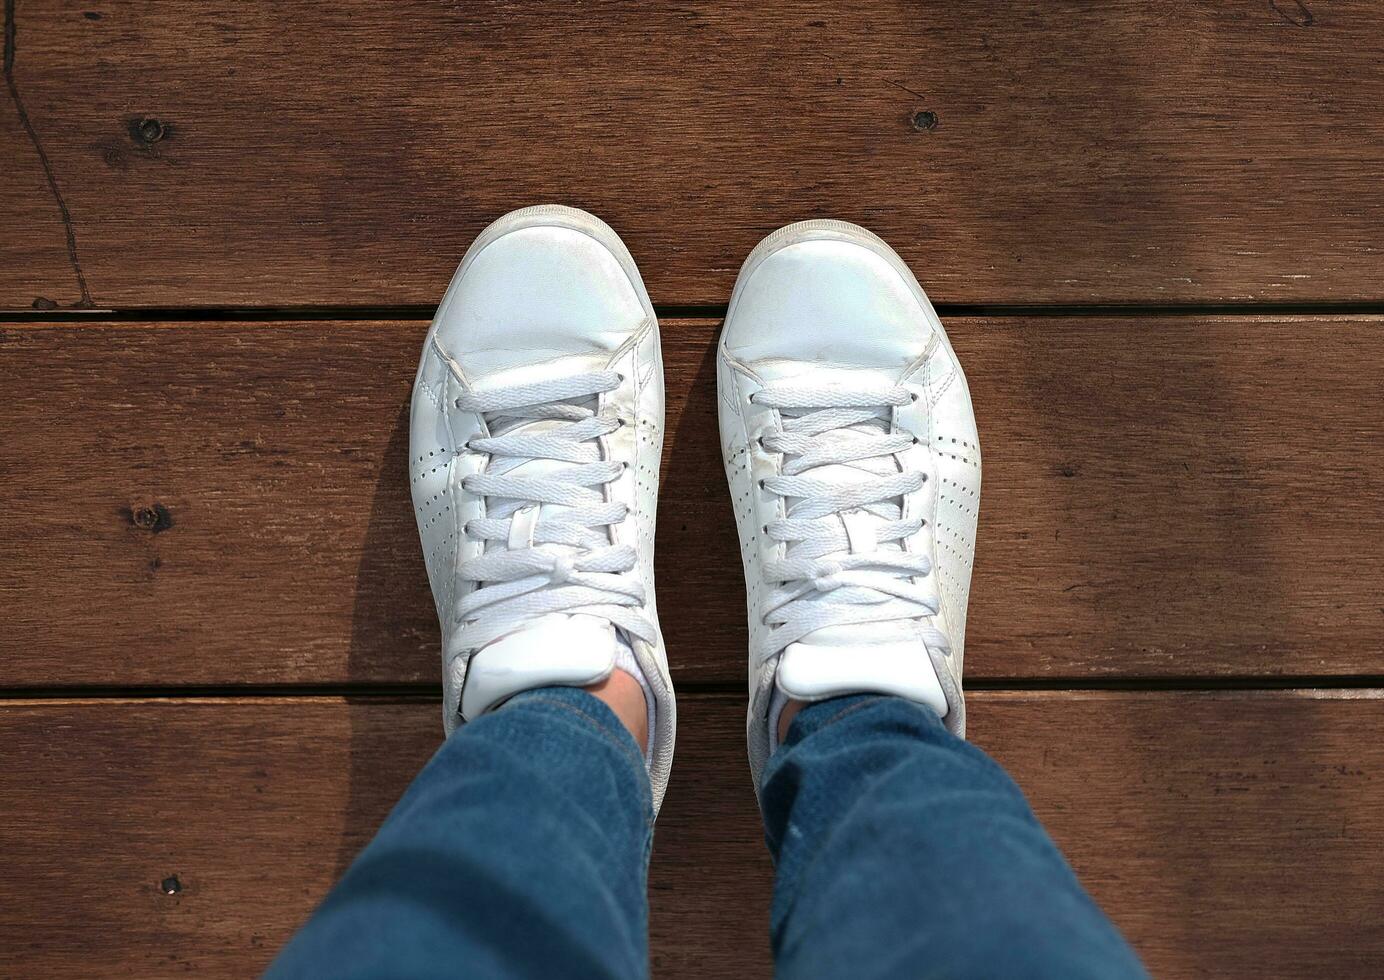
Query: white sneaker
pixel 854 469
pixel 535 437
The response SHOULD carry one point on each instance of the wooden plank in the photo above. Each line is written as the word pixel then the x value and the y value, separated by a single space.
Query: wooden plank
pixel 1216 829
pixel 33 239
pixel 226 503
pixel 225 153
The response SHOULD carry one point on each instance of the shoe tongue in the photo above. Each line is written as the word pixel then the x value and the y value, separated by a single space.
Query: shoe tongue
pixel 557 649
pixel 524 520
pixel 861 529
pixel 856 471
pixel 875 658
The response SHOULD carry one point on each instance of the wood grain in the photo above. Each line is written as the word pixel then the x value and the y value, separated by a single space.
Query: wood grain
pixel 231 154
pixel 1214 828
pixel 224 504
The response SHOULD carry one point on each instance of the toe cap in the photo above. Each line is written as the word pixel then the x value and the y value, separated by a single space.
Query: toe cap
pixel 555 288
pixel 828 298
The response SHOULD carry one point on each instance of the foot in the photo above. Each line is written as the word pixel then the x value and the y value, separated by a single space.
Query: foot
pixel 535 437
pixel 854 469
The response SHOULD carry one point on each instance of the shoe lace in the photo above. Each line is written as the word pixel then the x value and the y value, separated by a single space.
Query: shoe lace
pixel 830 573
pixel 547 541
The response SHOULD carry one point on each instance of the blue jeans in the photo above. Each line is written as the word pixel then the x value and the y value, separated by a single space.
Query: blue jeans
pixel 522 850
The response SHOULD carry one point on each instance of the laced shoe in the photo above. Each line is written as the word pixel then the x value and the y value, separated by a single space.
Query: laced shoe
pixel 535 440
pixel 854 469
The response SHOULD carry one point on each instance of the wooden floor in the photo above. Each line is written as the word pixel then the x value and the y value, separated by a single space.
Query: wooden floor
pixel 1155 233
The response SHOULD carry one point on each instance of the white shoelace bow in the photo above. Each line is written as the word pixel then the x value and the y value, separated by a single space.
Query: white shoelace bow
pixel 820 582
pixel 562 561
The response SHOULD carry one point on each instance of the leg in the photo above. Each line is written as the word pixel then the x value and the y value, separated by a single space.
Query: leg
pixel 854 464
pixel 903 850
pixel 520 850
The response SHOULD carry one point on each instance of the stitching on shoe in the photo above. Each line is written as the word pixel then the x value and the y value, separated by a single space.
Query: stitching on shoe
pixel 427 390
pixel 935 399
pixel 457 537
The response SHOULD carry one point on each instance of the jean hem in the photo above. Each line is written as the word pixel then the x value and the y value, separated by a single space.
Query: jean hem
pixel 610 730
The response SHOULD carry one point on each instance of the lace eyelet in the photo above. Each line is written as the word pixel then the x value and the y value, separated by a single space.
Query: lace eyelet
pixel 761 484
pixel 456 403
pixel 913 396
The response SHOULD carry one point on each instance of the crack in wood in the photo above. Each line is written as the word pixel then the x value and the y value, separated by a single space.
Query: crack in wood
pixel 84 302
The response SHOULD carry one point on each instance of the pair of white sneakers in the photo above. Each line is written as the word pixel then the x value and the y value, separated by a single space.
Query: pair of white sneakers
pixel 849 444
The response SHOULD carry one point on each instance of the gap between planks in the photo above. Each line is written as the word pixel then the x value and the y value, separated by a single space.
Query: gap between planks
pixel 991 696
pixel 257 314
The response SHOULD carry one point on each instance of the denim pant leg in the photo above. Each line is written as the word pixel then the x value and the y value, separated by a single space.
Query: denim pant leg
pixel 521 850
pixel 904 851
